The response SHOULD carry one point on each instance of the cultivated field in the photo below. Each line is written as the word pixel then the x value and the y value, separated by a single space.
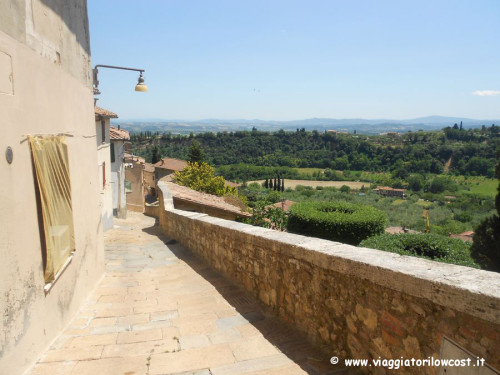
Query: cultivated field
pixel 293 183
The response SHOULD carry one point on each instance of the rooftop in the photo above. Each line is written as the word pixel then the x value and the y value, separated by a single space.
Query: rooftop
pixel 285 205
pixel 118 134
pixel 101 113
pixel 133 158
pixel 172 164
pixel 387 188
pixel 189 195
pixel 148 167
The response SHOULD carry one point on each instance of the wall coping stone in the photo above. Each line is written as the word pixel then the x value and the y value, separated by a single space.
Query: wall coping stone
pixel 469 290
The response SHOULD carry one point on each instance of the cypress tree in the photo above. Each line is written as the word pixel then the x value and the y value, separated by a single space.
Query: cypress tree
pixel 266 184
pixel 282 185
pixel 270 184
pixel 275 184
pixel 195 153
pixel 155 155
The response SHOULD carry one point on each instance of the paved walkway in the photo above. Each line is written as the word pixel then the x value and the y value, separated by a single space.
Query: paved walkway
pixel 161 311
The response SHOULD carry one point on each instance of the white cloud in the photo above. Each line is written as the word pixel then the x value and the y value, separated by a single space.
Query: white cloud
pixel 486 92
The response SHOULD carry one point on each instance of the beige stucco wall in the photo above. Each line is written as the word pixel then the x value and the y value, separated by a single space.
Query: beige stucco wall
pixel 162 172
pixel 55 29
pixel 104 161
pixel 149 182
pixel 354 302
pixel 135 198
pixel 39 95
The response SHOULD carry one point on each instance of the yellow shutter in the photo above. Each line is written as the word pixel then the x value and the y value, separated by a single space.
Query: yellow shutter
pixel 50 158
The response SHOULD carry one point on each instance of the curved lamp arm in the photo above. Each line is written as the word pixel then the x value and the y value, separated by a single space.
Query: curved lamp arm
pixel 141 86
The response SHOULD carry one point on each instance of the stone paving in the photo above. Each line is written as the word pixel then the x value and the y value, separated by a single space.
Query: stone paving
pixel 160 311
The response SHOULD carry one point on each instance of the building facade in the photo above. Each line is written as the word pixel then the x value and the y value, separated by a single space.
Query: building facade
pixel 102 124
pixel 134 182
pixel 118 139
pixel 46 101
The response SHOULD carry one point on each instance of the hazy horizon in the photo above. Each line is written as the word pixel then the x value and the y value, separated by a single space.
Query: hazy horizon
pixel 286 60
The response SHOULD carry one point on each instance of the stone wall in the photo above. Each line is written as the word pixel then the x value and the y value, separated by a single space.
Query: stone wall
pixel 188 205
pixel 361 303
pixel 152 210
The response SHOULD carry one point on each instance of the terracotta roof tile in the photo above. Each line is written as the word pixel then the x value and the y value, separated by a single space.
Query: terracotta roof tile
pixel 285 206
pixel 129 158
pixel 101 113
pixel 148 167
pixel 118 134
pixel 232 184
pixel 172 164
pixel 186 194
pixel 387 188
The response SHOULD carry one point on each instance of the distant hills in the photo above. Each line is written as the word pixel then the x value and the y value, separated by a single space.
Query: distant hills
pixel 361 126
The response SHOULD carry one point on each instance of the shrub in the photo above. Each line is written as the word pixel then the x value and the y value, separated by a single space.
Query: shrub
pixel 307 193
pixel 345 189
pixel 337 221
pixel 267 217
pixel 201 177
pixel 429 246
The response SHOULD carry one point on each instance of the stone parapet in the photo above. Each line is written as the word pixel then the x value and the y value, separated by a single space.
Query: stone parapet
pixel 362 303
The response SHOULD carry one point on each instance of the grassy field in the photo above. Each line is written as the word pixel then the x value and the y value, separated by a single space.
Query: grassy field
pixel 293 183
pixel 486 188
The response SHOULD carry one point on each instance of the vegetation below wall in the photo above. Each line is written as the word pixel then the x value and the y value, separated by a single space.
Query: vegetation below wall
pixel 446 174
pixel 430 246
pixel 447 216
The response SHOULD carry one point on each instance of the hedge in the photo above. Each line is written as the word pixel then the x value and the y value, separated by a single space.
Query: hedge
pixel 429 246
pixel 337 221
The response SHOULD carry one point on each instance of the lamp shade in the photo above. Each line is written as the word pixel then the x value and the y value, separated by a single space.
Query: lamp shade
pixel 141 86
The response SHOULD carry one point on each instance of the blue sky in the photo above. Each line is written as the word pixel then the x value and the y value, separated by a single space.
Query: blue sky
pixel 284 60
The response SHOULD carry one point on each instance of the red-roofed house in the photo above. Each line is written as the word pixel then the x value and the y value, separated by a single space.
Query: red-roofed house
pixel 168 166
pixel 390 192
pixel 284 205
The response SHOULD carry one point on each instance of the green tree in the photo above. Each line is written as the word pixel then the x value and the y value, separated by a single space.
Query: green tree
pixel 415 182
pixel 486 241
pixel 266 184
pixel 195 152
pixel 201 177
pixel 440 184
pixel 155 155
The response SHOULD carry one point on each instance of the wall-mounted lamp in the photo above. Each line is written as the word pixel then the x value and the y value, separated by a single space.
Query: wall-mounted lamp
pixel 141 86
